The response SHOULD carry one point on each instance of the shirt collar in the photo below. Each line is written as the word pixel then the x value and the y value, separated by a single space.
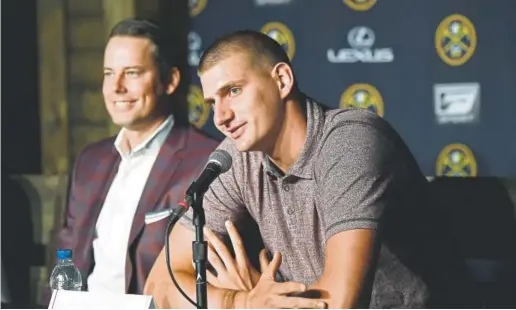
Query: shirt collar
pixel 153 143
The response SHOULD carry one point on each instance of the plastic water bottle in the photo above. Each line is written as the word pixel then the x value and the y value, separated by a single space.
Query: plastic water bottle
pixel 65 276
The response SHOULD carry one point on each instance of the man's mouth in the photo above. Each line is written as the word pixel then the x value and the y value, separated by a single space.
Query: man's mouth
pixel 236 131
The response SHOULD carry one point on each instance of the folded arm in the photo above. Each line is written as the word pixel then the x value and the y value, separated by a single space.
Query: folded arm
pixel 348 258
pixel 266 293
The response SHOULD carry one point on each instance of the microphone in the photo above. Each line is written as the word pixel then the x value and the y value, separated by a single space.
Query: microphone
pixel 219 162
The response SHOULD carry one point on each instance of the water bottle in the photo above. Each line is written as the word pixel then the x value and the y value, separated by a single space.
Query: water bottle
pixel 65 275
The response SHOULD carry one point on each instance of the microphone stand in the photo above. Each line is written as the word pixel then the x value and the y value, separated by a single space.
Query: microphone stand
pixel 199 247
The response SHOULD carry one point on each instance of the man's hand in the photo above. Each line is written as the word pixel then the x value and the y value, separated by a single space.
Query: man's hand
pixel 271 294
pixel 254 290
pixel 232 273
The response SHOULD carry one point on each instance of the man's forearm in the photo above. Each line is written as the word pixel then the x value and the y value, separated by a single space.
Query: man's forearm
pixel 348 260
pixel 166 295
pixel 334 300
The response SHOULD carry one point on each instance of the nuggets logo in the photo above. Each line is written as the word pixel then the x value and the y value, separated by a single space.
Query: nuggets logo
pixel 362 96
pixel 456 160
pixel 199 111
pixel 196 6
pixel 360 5
pixel 455 40
pixel 282 35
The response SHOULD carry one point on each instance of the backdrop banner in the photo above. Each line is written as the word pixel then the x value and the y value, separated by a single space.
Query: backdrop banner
pixel 441 72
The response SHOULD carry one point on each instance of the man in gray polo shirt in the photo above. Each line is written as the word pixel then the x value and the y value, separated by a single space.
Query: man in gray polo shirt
pixel 336 192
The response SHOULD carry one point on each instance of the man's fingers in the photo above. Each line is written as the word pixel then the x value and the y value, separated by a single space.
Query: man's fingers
pixel 212 279
pixel 238 246
pixel 221 249
pixel 273 267
pixel 214 260
pixel 299 303
pixel 264 260
pixel 212 238
pixel 289 288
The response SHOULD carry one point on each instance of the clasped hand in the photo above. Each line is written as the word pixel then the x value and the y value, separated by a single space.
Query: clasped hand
pixel 253 289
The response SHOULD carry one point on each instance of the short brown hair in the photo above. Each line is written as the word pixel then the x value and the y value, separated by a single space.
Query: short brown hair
pixel 254 43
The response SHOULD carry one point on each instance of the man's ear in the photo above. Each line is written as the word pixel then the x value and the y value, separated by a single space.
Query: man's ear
pixel 173 80
pixel 284 77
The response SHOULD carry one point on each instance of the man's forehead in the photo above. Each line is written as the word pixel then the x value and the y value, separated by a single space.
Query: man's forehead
pixel 232 61
pixel 236 67
pixel 122 50
pixel 126 41
pixel 223 72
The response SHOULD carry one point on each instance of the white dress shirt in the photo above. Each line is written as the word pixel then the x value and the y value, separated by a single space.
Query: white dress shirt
pixel 116 216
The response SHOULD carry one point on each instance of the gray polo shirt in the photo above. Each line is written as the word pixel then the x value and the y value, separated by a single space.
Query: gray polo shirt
pixel 354 172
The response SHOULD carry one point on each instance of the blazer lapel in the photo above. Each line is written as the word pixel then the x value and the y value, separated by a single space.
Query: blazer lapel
pixel 107 167
pixel 97 191
pixel 160 178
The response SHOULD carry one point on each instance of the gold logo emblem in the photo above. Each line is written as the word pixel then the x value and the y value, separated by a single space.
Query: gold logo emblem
pixel 196 6
pixel 455 40
pixel 364 96
pixel 360 5
pixel 282 35
pixel 199 111
pixel 456 160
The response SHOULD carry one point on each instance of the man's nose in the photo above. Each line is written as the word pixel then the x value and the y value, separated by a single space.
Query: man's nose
pixel 222 114
pixel 118 84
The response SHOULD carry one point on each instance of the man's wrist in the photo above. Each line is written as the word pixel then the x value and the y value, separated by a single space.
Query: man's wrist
pixel 240 300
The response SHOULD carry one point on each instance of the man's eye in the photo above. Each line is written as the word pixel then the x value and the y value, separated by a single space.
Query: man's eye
pixel 235 91
pixel 132 73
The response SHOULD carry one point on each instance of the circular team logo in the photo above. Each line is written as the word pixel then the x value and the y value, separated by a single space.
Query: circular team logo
pixel 363 96
pixel 282 35
pixel 199 111
pixel 455 40
pixel 456 160
pixel 196 6
pixel 360 5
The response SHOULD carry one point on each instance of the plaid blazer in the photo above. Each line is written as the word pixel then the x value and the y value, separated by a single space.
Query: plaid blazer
pixel 181 159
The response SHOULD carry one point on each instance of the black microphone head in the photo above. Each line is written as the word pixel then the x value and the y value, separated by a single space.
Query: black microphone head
pixel 222 159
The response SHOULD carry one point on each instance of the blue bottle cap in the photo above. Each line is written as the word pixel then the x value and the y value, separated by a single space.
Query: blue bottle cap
pixel 64 253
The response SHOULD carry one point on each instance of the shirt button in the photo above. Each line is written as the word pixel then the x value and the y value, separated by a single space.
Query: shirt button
pixel 290 211
pixel 286 188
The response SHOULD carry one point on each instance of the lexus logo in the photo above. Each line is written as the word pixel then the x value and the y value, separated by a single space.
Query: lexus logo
pixel 361 37
pixel 361 48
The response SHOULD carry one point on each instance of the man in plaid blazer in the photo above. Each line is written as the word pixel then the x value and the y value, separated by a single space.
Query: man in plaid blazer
pixel 147 167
